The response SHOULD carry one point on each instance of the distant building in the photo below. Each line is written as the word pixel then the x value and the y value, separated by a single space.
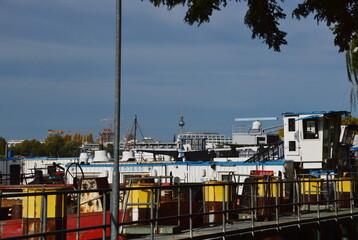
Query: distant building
pixel 106 137
pixel 90 147
pixel 148 143
pixel 212 139
pixel 12 143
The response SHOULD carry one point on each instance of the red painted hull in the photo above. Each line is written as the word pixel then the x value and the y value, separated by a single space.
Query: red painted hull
pixel 14 228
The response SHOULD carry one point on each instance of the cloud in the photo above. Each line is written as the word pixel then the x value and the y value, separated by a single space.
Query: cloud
pixel 57 68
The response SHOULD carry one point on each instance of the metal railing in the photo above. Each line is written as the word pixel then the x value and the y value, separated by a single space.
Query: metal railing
pixel 156 207
pixel 269 152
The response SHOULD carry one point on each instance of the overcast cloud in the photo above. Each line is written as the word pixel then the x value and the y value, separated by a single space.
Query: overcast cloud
pixel 57 69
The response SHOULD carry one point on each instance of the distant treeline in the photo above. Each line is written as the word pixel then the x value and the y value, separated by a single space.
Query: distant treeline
pixel 55 145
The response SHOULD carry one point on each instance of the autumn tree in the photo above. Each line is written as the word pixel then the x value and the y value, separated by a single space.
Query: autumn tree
pixel 67 138
pixel 88 138
pixel 77 138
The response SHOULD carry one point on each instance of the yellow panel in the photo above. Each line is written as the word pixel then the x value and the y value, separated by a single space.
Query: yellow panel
pixel 215 193
pixel 141 195
pixel 343 186
pixel 307 187
pixel 269 189
pixel 32 204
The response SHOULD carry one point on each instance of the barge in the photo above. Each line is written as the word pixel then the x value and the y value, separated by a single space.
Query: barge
pixel 71 200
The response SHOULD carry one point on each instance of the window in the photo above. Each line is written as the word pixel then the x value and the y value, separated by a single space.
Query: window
pixel 15 175
pixel 310 128
pixel 292 146
pixel 261 140
pixel 291 125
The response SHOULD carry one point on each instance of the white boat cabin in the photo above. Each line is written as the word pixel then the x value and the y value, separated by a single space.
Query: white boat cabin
pixel 313 138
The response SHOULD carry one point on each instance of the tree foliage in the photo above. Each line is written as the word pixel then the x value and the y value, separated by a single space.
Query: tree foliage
pixel 2 146
pixel 88 138
pixel 70 149
pixel 53 143
pixel 342 14
pixel 77 138
pixel 67 138
pixel 263 17
pixel 352 70
pixel 54 146
pixel 350 121
pixel 29 147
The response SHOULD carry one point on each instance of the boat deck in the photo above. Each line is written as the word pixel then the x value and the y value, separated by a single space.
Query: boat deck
pixel 245 229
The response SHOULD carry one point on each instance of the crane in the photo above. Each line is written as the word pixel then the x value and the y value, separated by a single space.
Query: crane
pixel 109 125
pixel 73 130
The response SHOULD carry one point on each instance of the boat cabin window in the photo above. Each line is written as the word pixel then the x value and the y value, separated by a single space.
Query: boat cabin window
pixel 225 177
pixel 291 125
pixel 292 146
pixel 310 128
pixel 261 140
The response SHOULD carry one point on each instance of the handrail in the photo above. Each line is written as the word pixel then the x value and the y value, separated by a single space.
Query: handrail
pixel 314 198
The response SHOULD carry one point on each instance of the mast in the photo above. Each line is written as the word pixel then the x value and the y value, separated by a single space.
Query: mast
pixel 135 129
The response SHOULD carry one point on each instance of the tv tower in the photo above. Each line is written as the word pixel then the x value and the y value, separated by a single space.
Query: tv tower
pixel 181 121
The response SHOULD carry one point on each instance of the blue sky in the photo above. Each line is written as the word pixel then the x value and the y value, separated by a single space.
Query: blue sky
pixel 57 69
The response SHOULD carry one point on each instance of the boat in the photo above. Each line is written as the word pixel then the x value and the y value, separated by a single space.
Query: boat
pixel 315 147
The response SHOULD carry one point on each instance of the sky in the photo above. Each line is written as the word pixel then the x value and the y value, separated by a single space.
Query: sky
pixel 57 69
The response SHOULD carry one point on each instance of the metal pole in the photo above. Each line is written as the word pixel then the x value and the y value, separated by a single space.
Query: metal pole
pixel 318 201
pixel 44 220
pixel 115 179
pixel 78 212
pixel 298 189
pixel 104 206
pixel 157 204
pixel 179 203
pixel 42 214
pixel 151 214
pixel 294 198
pixel 351 200
pixel 191 211
pixel 335 197
pixel 204 207
pixel 224 209
pixel 276 201
pixel 1 198
pixel 309 193
pixel 252 211
pixel 252 206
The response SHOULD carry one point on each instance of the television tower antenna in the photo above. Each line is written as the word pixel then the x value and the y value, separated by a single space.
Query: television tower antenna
pixel 181 120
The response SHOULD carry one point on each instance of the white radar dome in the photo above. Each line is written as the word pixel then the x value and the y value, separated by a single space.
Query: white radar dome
pixel 84 157
pixel 256 125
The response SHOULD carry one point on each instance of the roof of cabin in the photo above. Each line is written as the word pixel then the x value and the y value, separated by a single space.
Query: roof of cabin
pixel 344 113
